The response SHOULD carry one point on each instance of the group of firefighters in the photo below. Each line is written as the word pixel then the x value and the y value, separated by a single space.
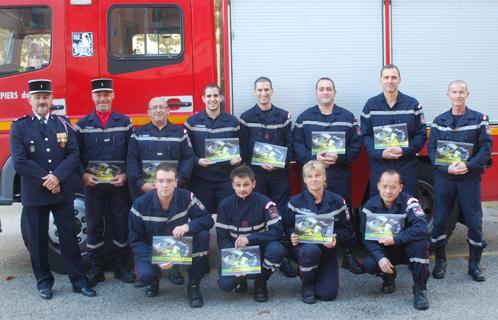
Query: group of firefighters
pixel 252 202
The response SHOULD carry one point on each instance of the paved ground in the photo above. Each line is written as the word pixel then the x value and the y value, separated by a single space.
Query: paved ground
pixel 456 297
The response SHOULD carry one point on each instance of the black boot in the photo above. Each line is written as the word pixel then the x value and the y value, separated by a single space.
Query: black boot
pixel 308 292
pixel 475 254
pixel 349 262
pixel 152 290
pixel 123 273
pixel 439 270
pixel 175 275
pixel 420 301
pixel 194 294
pixel 389 284
pixel 96 274
pixel 260 290
pixel 241 285
pixel 288 269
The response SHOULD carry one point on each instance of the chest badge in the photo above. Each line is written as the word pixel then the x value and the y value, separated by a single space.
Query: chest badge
pixel 267 136
pixel 32 149
pixel 62 139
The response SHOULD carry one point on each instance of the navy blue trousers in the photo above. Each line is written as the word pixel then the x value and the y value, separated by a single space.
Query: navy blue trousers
pixel 149 273
pixel 209 193
pixel 318 265
pixel 37 218
pixel 468 194
pixel 415 254
pixel 274 185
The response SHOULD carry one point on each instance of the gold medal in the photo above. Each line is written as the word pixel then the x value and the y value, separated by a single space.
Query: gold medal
pixel 62 138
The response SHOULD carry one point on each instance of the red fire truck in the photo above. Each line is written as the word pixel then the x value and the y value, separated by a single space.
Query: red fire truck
pixel 172 48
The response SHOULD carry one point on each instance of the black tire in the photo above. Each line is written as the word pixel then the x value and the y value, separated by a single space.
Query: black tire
pixel 54 254
pixel 425 188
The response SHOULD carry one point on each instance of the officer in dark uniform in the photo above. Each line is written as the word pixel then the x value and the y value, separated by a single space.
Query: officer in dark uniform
pixel 314 123
pixel 317 262
pixel 392 107
pixel 249 218
pixel 403 236
pixel 210 180
pixel 169 211
pixel 103 137
pixel 160 140
pixel 460 178
pixel 45 154
pixel 269 124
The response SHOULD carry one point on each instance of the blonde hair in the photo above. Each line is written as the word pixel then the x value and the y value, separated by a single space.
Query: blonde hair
pixel 314 165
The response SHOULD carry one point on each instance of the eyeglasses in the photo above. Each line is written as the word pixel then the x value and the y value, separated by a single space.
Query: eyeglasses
pixel 158 108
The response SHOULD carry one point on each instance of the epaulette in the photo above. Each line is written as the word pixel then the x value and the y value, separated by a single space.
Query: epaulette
pixel 23 117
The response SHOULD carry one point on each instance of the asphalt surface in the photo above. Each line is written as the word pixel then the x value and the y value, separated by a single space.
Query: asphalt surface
pixel 455 297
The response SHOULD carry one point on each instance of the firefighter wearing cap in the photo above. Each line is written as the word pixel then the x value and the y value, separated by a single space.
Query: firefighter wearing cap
pixel 45 154
pixel 392 107
pixel 460 180
pixel 327 120
pixel 210 180
pixel 103 137
pixel 405 242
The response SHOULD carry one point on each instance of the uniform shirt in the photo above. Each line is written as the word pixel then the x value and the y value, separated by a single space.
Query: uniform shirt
pixel 255 217
pixel 150 143
pixel 415 224
pixel 332 206
pixel 472 127
pixel 272 126
pixel 201 127
pixel 407 110
pixel 149 219
pixel 37 152
pixel 340 120
pixel 99 143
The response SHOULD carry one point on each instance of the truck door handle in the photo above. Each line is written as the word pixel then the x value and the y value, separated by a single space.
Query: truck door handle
pixel 57 107
pixel 178 103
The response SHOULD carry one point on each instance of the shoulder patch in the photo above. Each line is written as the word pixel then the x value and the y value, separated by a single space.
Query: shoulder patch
pixel 185 131
pixel 419 106
pixel 484 117
pixel 191 196
pixel 418 211
pixel 412 200
pixel 273 211
pixel 288 115
pixel 269 204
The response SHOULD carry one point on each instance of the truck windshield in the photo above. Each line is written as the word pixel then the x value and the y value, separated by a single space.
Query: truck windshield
pixel 25 39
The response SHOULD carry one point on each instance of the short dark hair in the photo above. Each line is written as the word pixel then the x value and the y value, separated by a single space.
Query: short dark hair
pixel 242 172
pixel 391 172
pixel 324 78
pixel 165 167
pixel 263 79
pixel 390 66
pixel 211 86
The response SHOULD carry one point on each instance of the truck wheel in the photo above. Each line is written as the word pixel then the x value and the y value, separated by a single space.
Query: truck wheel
pixel 54 253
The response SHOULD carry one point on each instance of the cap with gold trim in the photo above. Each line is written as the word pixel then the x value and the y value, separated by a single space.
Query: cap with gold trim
pixel 101 84
pixel 40 86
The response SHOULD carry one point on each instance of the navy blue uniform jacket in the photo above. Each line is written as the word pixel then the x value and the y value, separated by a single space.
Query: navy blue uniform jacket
pixel 148 219
pixel 415 224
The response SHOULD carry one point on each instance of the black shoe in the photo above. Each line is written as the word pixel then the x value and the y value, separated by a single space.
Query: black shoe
pixel 388 286
pixel 288 269
pixel 260 291
pixel 138 283
pixel 350 263
pixel 86 291
pixel 420 301
pixel 308 294
pixel 176 276
pixel 194 295
pixel 241 285
pixel 46 293
pixel 439 271
pixel 474 270
pixel 152 290
pixel 94 278
pixel 124 274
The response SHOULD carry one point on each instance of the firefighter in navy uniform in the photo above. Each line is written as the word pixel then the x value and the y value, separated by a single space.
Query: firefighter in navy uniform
pixel 45 154
pixel 249 218
pixel 461 179
pixel 318 263
pixel 159 140
pixel 103 136
pixel 211 181
pixel 326 116
pixel 392 107
pixel 169 211
pixel 405 242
